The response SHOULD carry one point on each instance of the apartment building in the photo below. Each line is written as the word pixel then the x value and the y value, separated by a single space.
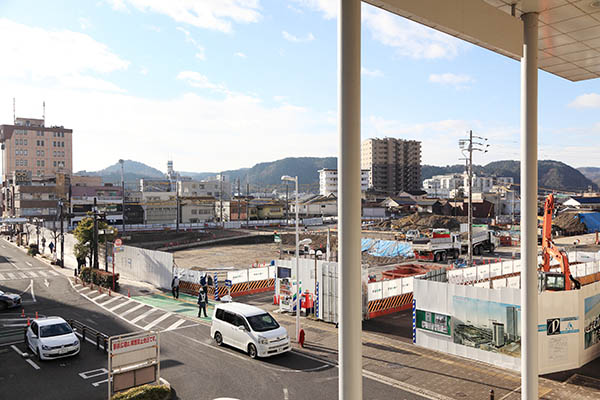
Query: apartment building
pixel 109 201
pixel 394 165
pixel 30 147
pixel 199 209
pixel 328 181
pixel 36 198
pixel 159 207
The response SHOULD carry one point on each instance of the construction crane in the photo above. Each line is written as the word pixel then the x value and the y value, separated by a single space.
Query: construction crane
pixel 552 280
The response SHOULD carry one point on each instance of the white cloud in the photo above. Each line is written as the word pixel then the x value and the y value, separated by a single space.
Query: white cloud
pixel 70 58
pixel 84 23
pixel 148 130
pixel 200 55
pixel 295 39
pixel 458 81
pixel 210 14
pixel 329 8
pixel 200 81
pixel 240 54
pixel 588 100
pixel 409 38
pixel 144 71
pixel 371 72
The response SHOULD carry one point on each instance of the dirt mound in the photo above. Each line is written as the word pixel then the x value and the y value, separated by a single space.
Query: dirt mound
pixel 569 223
pixel 425 220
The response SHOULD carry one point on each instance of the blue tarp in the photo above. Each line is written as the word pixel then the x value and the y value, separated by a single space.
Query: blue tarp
pixel 591 221
pixel 386 248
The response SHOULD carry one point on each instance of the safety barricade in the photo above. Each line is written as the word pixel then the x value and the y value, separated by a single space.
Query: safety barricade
pixel 264 285
pixel 236 290
pixel 390 305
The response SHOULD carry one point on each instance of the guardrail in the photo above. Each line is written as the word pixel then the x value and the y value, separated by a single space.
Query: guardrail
pixel 87 332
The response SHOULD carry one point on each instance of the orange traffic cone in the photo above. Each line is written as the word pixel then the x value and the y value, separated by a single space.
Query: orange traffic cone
pixel 28 323
pixel 36 315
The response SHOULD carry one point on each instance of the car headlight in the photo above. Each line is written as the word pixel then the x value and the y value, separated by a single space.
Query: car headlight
pixel 262 340
pixel 44 347
pixel 75 343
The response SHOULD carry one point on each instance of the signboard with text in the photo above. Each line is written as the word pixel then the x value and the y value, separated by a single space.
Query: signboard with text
pixel 433 322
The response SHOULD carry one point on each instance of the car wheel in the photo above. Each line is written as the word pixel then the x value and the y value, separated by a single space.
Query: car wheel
pixel 38 354
pixel 252 351
pixel 436 257
pixel 218 338
pixel 3 306
pixel 492 248
pixel 444 257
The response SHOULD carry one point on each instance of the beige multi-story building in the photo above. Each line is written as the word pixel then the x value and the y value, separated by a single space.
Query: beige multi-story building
pixel 30 147
pixel 394 164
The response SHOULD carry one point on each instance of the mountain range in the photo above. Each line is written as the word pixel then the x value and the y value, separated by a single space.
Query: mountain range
pixel 551 174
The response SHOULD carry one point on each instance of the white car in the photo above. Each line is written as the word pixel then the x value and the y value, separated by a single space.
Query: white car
pixel 51 338
pixel 250 329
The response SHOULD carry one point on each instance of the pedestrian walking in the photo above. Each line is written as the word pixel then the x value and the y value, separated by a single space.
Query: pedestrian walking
pixel 175 286
pixel 202 300
pixel 51 247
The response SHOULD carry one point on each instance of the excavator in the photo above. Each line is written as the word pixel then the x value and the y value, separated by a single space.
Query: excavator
pixel 554 280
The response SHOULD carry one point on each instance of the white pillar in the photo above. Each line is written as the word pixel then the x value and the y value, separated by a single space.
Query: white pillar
pixel 349 281
pixel 529 184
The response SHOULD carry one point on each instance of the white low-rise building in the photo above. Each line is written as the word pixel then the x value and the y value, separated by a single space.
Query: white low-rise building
pixel 328 181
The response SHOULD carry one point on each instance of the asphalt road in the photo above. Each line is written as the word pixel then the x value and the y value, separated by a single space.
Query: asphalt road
pixel 190 361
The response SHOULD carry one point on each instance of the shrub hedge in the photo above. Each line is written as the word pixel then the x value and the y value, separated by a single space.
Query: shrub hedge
pixel 99 277
pixel 145 392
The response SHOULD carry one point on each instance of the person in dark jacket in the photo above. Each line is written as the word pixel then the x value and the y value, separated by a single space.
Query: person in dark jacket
pixel 202 300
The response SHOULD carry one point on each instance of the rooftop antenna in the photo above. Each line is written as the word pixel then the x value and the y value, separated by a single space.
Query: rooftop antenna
pixel 14 111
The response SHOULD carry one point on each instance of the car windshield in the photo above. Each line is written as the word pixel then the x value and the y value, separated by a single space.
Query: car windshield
pixel 262 322
pixel 55 330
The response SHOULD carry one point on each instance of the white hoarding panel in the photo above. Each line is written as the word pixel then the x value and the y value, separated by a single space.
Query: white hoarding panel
pixel 470 274
pixel 514 282
pixel 375 291
pixel 407 285
pixel 580 270
pixel 483 272
pixel 272 272
pixel 238 276
pixel 499 283
pixel 392 288
pixel 258 274
pixel 495 269
pixel 455 275
pixel 485 284
pixel 507 267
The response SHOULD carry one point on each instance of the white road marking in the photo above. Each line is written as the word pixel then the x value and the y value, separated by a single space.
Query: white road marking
pixel 15 348
pixel 120 305
pixel 176 325
pixel 99 297
pixel 144 315
pixel 93 373
pixel 23 275
pixel 32 274
pixel 32 294
pixel 13 264
pixel 34 365
pixel 43 273
pixel 157 321
pixel 285 394
pixel 3 246
pixel 511 392
pixel 110 300
pixel 2 277
pixel 11 275
pixel 28 263
pixel 96 384
pixel 46 283
pixel 132 309
pixel 54 273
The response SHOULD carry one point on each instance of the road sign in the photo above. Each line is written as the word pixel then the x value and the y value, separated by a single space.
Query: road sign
pixel 118 242
pixel 228 282
pixel 277 238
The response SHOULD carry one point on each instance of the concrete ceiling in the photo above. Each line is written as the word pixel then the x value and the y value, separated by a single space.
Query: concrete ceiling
pixel 569 30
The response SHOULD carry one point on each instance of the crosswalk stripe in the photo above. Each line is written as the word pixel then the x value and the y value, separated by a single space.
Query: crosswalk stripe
pixel 176 325
pixel 10 275
pixel 110 301
pixel 54 273
pixel 144 315
pixel 157 321
pixel 99 297
pixel 132 309
pixel 2 277
pixel 32 274
pixel 120 305
pixel 23 275
pixel 43 273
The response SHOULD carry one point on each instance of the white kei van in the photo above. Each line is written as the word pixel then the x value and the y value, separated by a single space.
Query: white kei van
pixel 250 329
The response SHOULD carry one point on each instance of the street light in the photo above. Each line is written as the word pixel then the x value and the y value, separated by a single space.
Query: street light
pixel 122 162
pixel 295 179
pixel 317 254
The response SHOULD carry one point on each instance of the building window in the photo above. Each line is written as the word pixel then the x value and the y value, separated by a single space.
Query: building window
pixel 194 212
pixel 62 144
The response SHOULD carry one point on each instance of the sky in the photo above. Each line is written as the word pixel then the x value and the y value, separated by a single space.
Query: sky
pixel 225 84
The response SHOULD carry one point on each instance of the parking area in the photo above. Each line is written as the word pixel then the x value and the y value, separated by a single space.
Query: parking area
pixel 85 375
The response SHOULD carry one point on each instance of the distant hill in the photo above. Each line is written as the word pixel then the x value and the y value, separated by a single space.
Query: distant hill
pixel 592 173
pixel 133 171
pixel 551 174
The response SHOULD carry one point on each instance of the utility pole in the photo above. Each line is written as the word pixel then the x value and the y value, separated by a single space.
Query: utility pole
pixel 467 145
pixel 95 241
pixel 287 205
pixel 221 199
pixel 62 236
pixel 177 206
pixel 247 204
pixel 122 162
pixel 239 201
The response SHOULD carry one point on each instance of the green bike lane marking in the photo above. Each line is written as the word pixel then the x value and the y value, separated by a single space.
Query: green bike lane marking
pixel 185 305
